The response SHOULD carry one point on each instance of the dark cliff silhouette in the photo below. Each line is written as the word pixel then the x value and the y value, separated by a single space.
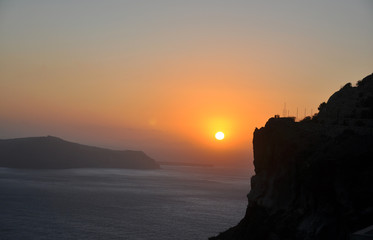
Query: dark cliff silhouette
pixel 55 153
pixel 314 178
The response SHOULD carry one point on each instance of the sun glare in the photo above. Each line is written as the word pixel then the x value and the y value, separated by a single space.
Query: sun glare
pixel 219 135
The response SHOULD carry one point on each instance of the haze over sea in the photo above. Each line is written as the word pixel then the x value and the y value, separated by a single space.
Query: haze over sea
pixel 170 203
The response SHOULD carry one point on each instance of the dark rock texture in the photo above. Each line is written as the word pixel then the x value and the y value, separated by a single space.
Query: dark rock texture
pixel 314 178
pixel 54 153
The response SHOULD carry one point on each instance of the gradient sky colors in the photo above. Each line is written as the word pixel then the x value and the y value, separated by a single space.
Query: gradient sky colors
pixel 165 76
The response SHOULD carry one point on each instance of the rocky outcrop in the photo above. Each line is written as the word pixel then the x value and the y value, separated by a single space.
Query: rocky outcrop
pixel 350 106
pixel 313 179
pixel 55 153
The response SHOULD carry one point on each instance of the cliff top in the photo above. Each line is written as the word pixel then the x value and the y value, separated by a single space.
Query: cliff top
pixel 350 103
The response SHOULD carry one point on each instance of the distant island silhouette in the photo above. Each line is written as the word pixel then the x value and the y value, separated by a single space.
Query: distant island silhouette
pixel 314 178
pixel 55 153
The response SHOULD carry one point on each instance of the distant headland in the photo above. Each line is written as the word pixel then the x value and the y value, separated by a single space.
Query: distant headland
pixel 55 153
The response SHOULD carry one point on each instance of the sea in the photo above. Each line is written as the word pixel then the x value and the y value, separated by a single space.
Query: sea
pixel 171 203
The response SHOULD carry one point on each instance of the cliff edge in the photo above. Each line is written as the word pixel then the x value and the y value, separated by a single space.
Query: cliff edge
pixel 314 178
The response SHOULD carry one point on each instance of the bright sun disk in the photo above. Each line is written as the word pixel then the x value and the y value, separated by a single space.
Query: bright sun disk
pixel 219 135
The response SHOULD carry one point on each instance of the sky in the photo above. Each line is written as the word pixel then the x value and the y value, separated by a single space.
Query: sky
pixel 165 76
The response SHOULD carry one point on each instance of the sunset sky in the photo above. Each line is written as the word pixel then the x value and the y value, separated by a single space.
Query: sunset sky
pixel 165 76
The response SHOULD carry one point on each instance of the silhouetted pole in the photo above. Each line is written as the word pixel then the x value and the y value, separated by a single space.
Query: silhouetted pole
pixel 297 114
pixel 284 111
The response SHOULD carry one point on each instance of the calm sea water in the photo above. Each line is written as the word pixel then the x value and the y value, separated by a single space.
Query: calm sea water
pixel 172 203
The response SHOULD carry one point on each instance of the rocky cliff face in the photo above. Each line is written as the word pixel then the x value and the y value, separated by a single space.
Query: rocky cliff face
pixel 314 178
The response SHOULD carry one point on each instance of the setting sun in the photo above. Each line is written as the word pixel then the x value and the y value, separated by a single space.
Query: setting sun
pixel 219 135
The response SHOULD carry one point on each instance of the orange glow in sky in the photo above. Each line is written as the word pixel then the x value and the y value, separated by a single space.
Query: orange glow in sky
pixel 164 77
